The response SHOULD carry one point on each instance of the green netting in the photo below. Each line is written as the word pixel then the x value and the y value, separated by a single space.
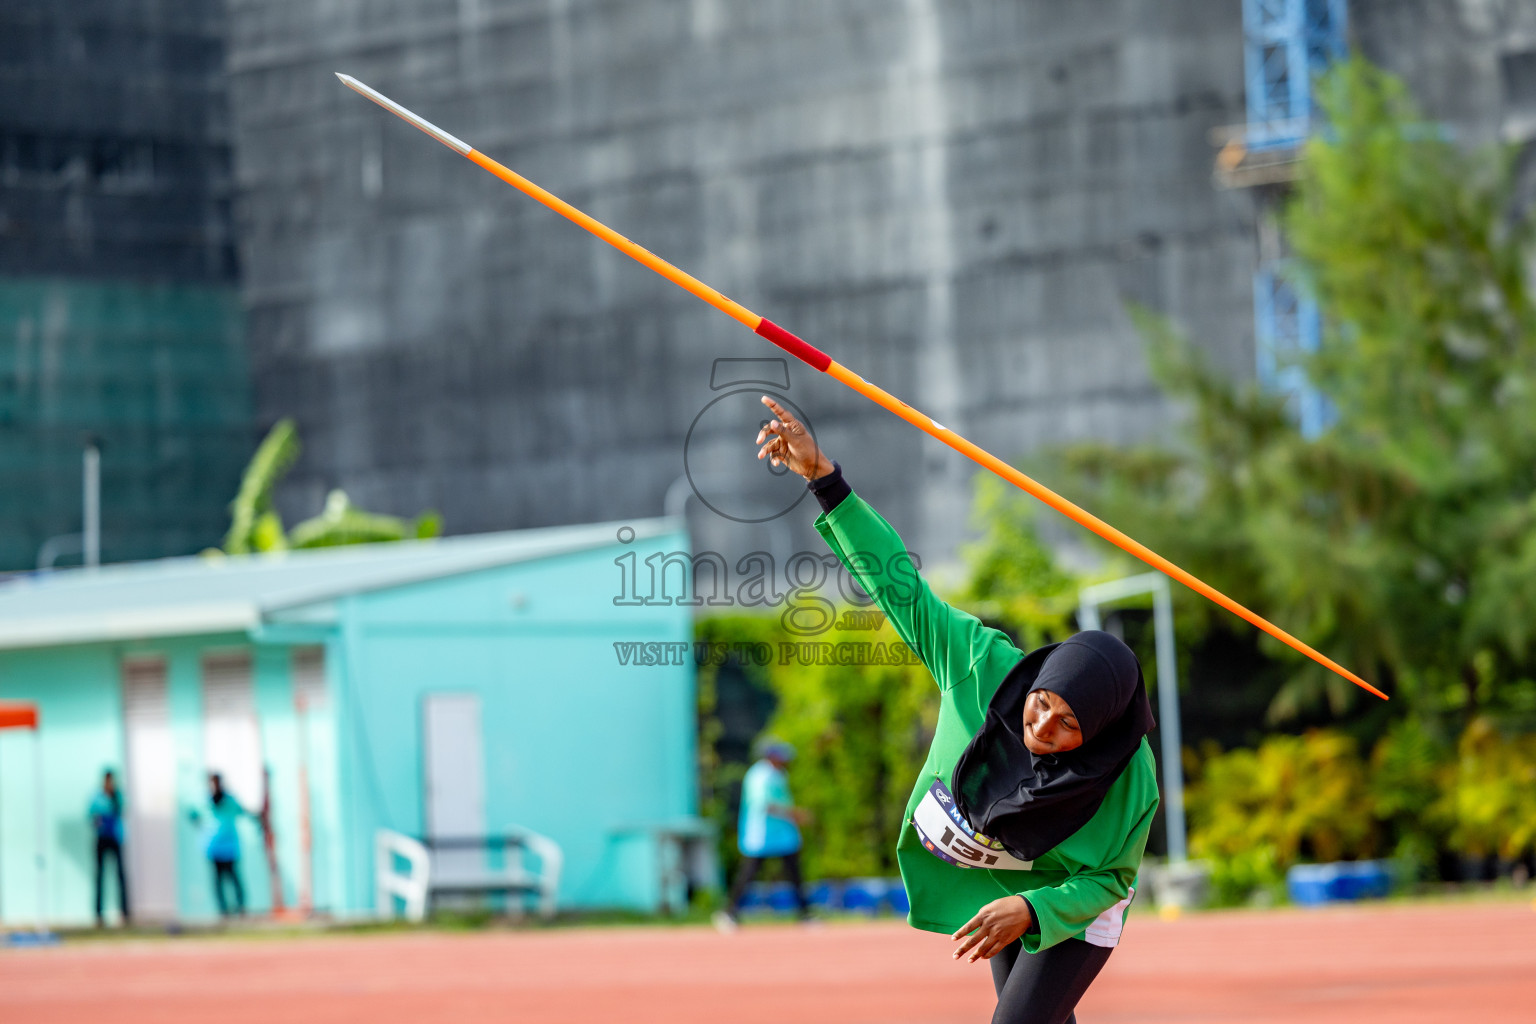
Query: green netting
pixel 158 374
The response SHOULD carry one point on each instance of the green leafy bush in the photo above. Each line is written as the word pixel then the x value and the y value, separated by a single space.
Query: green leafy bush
pixel 720 773
pixel 1489 796
pixel 1254 813
pixel 1408 777
pixel 860 732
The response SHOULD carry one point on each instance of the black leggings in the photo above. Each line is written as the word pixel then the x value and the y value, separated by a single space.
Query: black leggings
pixel 1044 987
pixel 748 871
pixel 104 847
pixel 228 870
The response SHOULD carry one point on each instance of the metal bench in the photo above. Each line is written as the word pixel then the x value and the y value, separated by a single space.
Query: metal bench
pixel 431 869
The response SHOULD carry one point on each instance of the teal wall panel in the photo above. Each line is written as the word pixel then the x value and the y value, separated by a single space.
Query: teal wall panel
pixel 158 373
pixel 576 746
pixel 81 734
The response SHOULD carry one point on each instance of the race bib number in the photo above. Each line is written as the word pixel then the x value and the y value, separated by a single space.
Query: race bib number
pixel 948 836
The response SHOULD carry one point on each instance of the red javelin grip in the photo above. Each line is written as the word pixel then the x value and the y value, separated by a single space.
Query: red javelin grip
pixel 801 350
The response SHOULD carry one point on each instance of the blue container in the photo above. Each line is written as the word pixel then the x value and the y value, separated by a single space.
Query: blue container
pixel 826 896
pixel 1371 879
pixel 751 899
pixel 765 895
pixel 864 895
pixel 896 898
pixel 1312 885
pixel 781 897
pixel 32 939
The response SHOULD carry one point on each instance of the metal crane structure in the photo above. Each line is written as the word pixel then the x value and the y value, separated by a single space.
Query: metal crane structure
pixel 1286 44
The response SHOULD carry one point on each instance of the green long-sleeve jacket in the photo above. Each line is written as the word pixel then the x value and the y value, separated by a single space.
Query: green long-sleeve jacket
pixel 1082 888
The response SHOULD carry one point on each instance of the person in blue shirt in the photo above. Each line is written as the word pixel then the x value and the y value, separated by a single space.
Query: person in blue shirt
pixel 769 827
pixel 106 814
pixel 223 844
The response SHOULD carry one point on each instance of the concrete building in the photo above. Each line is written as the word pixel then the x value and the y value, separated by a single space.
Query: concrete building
pixel 958 199
pixel 120 321
pixel 450 688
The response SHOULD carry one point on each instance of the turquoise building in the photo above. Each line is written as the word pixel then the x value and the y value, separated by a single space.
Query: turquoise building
pixel 457 686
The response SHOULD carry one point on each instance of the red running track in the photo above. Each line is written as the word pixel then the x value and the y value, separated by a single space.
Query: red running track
pixel 1404 965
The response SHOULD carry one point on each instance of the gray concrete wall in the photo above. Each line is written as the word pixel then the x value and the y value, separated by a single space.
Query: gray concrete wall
pixel 956 199
pixel 1465 60
pixel 114 141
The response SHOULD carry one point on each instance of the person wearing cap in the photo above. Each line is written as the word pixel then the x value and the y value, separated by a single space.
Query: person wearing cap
pixel 768 828
pixel 1025 830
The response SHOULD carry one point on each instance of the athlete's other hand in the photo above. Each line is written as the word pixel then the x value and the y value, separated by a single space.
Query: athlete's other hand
pixel 993 928
pixel 786 442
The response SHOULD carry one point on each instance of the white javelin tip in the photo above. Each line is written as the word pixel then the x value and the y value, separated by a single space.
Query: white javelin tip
pixel 394 108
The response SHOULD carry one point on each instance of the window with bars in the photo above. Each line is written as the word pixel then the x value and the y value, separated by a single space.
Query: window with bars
pixel 1287 44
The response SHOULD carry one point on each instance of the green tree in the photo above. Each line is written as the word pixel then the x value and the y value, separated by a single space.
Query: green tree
pixel 1402 540
pixel 1013 577
pixel 1411 772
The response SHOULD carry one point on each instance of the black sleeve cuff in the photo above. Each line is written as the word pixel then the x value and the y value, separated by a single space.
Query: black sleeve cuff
pixel 830 490
pixel 1034 922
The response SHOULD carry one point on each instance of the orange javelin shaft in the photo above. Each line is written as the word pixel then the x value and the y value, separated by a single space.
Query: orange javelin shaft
pixel 819 360
pixel 1083 517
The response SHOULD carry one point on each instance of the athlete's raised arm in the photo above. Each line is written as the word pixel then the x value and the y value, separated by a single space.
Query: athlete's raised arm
pixel 952 643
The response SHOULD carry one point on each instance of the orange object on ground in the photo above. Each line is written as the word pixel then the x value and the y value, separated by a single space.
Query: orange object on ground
pixel 14 715
pixel 819 360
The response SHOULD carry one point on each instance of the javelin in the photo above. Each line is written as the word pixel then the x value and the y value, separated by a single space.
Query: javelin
pixel 820 361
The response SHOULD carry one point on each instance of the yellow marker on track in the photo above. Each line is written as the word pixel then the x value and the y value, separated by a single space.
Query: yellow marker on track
pixel 819 360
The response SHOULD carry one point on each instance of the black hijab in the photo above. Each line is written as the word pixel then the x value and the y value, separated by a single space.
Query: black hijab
pixel 1031 802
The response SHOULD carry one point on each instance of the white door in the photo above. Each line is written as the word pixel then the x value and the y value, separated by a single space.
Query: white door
pixel 150 840
pixel 308 673
pixel 455 779
pixel 231 732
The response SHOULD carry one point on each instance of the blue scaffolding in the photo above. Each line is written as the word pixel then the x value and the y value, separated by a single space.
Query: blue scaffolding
pixel 1288 327
pixel 1287 43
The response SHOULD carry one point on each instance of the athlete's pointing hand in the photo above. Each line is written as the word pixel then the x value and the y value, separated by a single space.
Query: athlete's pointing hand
pixel 786 442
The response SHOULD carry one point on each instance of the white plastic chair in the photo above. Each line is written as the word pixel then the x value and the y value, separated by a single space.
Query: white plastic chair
pixel 410 886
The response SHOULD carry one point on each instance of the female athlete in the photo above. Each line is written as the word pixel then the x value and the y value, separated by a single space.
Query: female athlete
pixel 1025 830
